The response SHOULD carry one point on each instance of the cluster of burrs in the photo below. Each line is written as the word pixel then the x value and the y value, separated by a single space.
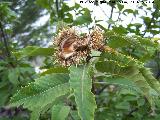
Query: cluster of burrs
pixel 71 48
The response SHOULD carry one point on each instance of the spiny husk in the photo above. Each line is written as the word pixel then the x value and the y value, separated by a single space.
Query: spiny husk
pixel 69 42
pixel 63 34
pixel 97 39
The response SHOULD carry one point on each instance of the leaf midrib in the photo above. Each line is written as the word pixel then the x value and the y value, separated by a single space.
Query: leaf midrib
pixel 82 83
pixel 39 94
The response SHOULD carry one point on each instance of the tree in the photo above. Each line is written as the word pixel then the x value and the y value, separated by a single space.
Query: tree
pixel 25 31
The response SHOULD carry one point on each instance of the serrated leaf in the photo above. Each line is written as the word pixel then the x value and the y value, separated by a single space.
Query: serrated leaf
pixel 81 83
pixel 117 42
pixel 123 82
pixel 41 92
pixel 150 79
pixel 31 51
pixel 128 72
pixel 55 70
pixel 60 112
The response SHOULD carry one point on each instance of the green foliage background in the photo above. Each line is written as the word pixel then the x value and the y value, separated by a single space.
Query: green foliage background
pixel 118 84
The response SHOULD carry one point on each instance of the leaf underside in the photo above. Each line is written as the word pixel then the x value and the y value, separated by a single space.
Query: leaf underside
pixel 81 83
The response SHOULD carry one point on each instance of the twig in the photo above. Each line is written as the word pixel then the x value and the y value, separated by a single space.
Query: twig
pixel 111 16
pixel 94 56
pixel 98 92
pixel 5 40
pixel 57 6
pixel 134 110
pixel 119 16
pixel 7 49
pixel 100 83
pixel 103 11
pixel 158 65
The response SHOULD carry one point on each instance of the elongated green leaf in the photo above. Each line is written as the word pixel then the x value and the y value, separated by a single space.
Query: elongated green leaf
pixel 42 92
pixel 117 42
pixel 138 73
pixel 60 112
pixel 124 82
pixel 150 79
pixel 55 70
pixel 132 69
pixel 33 51
pixel 81 82
pixel 114 68
pixel 145 48
pixel 128 72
